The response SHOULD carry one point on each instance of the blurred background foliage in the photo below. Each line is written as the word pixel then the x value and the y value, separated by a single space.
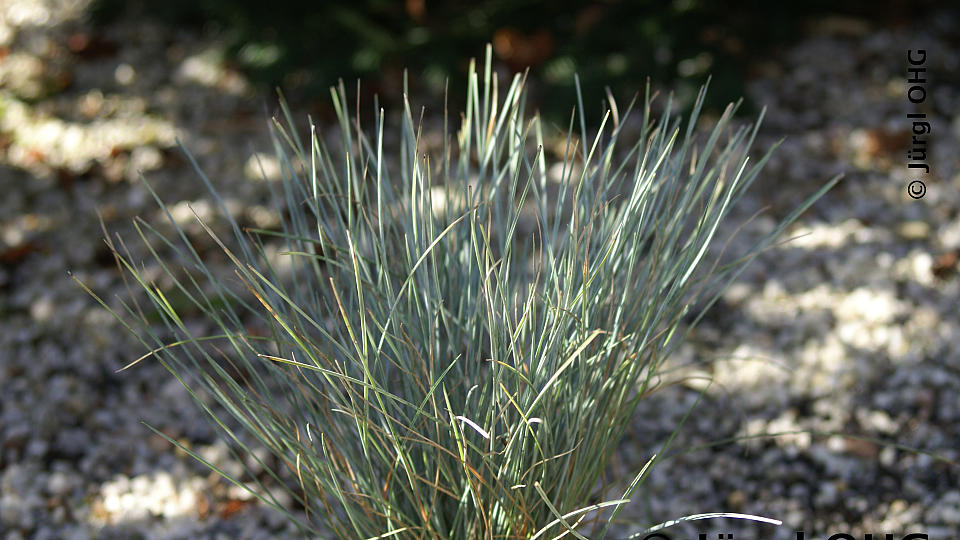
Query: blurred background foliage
pixel 304 47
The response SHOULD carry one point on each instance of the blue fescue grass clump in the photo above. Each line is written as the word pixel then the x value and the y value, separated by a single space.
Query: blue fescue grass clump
pixel 459 370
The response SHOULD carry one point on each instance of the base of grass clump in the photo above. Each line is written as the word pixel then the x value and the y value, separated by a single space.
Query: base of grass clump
pixel 460 368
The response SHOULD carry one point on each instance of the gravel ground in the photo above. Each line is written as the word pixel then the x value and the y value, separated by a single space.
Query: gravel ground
pixel 851 328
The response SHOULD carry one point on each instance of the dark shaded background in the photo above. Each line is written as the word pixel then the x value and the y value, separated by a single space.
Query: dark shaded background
pixel 305 47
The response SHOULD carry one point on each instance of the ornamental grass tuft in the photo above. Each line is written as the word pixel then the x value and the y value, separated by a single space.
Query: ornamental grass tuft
pixel 452 340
